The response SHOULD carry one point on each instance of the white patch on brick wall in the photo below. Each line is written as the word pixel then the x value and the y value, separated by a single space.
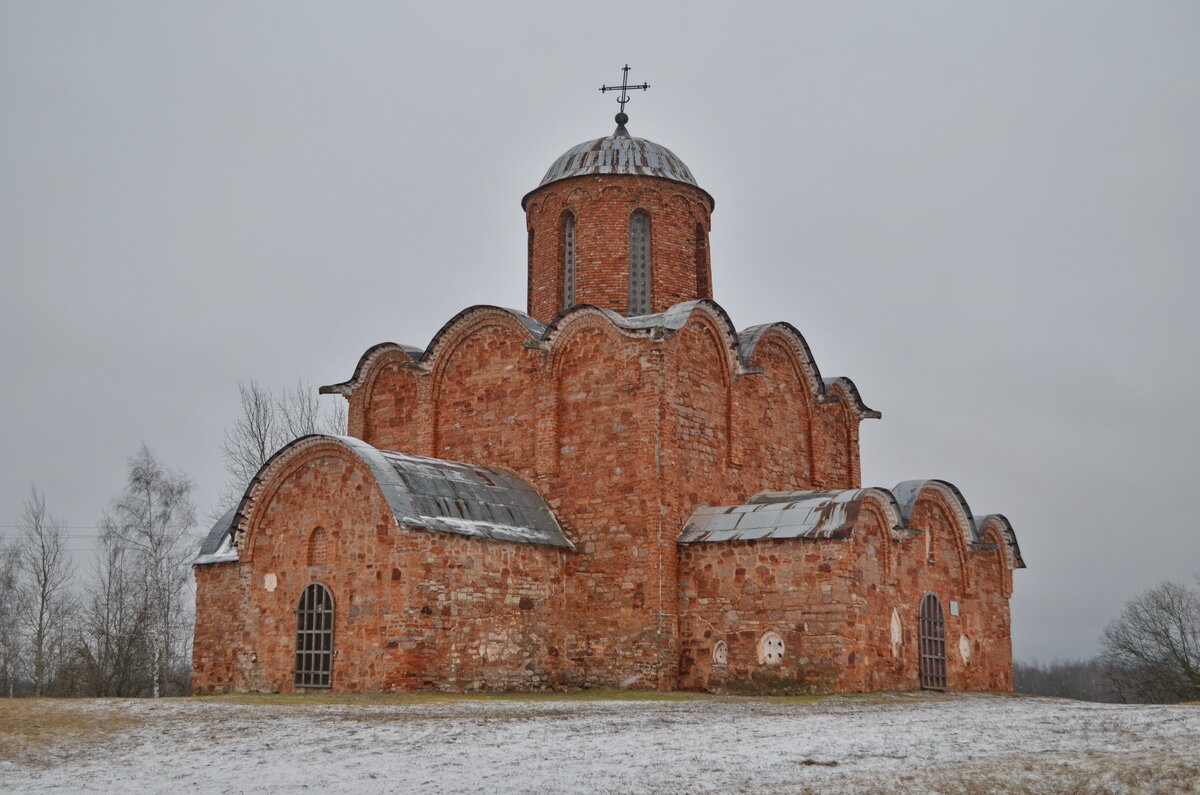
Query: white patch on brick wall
pixel 270 581
pixel 897 633
pixel 720 654
pixel 770 649
pixel 497 646
pixel 964 648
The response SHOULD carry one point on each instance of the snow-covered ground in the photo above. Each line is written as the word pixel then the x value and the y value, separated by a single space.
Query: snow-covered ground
pixel 882 743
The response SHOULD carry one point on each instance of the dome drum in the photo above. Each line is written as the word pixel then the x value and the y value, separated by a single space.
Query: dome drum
pixel 617 222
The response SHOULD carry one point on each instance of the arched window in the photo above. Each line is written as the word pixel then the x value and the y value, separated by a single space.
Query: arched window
pixel 931 637
pixel 703 288
pixel 568 259
pixel 314 637
pixel 640 298
pixel 529 260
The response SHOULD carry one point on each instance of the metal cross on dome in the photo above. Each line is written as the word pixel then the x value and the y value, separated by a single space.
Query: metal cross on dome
pixel 624 88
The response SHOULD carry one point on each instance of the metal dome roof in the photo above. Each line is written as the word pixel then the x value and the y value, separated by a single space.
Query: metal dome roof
pixel 619 153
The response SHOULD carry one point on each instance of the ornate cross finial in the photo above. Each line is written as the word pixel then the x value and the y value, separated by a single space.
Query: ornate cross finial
pixel 624 88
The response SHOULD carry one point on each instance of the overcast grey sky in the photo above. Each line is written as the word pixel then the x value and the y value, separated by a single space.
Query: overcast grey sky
pixel 986 214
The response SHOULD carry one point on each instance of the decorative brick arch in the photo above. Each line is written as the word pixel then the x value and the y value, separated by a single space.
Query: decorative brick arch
pixel 573 325
pixel 471 320
pixel 250 516
pixel 946 500
pixel 359 390
pixel 994 530
pixel 710 336
pixel 801 370
pixel 749 340
pixel 881 506
pixel 368 363
pixel 461 332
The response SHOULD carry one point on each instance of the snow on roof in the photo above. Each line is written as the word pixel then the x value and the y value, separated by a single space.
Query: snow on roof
pixel 833 514
pixel 801 514
pixel 451 497
pixel 429 493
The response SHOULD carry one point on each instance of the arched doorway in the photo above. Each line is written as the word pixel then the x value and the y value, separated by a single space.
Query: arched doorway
pixel 314 637
pixel 932 639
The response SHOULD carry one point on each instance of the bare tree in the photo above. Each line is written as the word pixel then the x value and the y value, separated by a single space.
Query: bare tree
pixel 9 638
pixel 44 600
pixel 267 422
pixel 114 654
pixel 1151 652
pixel 152 520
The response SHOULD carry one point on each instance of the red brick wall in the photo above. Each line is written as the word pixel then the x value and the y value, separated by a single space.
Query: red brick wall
pixel 468 398
pixel 492 396
pixel 737 591
pixel 836 445
pixel 774 417
pixel 628 434
pixel 602 207
pixel 604 490
pixel 625 433
pixel 413 609
pixel 388 404
pixel 832 602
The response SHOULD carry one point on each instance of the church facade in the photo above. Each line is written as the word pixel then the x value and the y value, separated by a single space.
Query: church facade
pixel 617 488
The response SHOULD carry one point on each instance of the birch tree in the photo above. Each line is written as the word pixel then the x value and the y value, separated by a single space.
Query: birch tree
pixel 44 601
pixel 9 638
pixel 152 520
pixel 114 646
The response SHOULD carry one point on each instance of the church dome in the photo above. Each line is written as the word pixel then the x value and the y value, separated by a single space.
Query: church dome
pixel 619 153
pixel 629 235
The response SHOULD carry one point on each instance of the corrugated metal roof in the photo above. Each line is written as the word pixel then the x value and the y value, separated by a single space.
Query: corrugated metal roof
pixel 450 497
pixel 806 514
pixel 833 514
pixel 441 496
pixel 217 546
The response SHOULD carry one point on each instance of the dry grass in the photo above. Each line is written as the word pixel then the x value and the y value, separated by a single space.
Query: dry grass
pixel 35 730
pixel 1094 772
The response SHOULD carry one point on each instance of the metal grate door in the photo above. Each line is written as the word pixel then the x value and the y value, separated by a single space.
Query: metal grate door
pixel 932 638
pixel 314 637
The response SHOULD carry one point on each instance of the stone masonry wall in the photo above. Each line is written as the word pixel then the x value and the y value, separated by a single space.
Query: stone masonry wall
pixel 413 609
pixel 625 435
pixel 846 609
pixel 602 207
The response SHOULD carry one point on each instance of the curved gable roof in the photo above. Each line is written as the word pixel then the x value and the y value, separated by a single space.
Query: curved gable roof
pixel 742 344
pixel 856 402
pixel 782 514
pixel 829 515
pixel 428 493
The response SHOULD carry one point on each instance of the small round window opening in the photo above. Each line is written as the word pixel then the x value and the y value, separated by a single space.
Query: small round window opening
pixel 770 649
pixel 720 654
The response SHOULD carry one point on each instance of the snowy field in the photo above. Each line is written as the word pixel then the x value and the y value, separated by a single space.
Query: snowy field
pixel 877 743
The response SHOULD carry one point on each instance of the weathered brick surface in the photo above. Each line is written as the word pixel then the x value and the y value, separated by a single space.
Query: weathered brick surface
pixel 624 432
pixel 413 609
pixel 832 602
pixel 680 220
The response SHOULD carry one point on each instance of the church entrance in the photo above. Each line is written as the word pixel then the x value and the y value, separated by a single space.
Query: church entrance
pixel 932 639
pixel 314 637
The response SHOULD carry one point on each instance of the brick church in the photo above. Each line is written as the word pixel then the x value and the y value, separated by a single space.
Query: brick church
pixel 617 488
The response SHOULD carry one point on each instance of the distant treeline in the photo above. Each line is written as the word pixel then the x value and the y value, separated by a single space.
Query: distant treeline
pixel 1084 680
